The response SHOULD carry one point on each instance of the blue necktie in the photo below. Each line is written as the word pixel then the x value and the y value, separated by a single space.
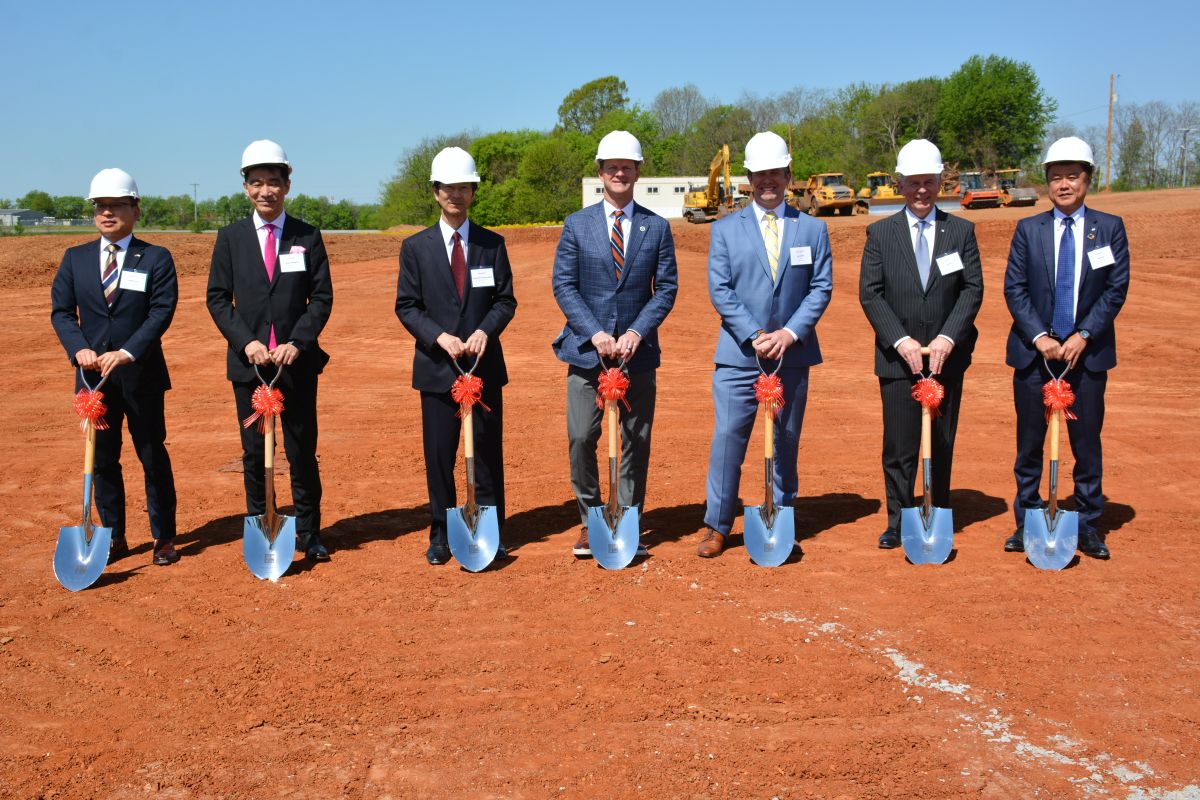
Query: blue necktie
pixel 922 253
pixel 1063 324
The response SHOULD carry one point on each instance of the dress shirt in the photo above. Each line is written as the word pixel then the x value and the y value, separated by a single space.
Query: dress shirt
pixel 760 214
pixel 122 249
pixel 913 221
pixel 1077 229
pixel 626 227
pixel 260 225
pixel 448 238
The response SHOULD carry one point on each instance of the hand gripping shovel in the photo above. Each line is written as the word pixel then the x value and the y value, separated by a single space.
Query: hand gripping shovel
pixel 613 530
pixel 927 533
pixel 1051 535
pixel 472 530
pixel 268 539
pixel 82 550
pixel 770 531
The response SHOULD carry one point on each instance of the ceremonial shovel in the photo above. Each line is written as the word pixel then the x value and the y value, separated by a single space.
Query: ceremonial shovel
pixel 472 530
pixel 770 531
pixel 927 533
pixel 268 539
pixel 80 558
pixel 1051 535
pixel 613 529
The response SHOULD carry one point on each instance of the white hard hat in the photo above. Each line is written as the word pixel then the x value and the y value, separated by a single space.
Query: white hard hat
pixel 453 165
pixel 1071 148
pixel 262 152
pixel 619 144
pixel 767 150
pixel 113 182
pixel 919 157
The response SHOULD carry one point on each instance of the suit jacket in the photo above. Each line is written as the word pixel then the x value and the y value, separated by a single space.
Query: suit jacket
pixel 1029 287
pixel 428 304
pixel 245 305
pixel 897 305
pixel 742 292
pixel 593 300
pixel 135 323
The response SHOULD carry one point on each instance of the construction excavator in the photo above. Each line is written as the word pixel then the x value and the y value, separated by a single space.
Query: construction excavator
pixel 716 199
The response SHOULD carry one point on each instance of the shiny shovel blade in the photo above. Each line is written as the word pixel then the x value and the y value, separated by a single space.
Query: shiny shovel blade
pixel 78 563
pixel 927 544
pixel 613 549
pixel 1050 544
pixel 769 547
pixel 266 560
pixel 474 550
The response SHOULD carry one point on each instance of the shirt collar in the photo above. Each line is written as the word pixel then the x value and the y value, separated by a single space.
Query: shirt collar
pixel 913 219
pixel 448 232
pixel 760 212
pixel 259 222
pixel 609 208
pixel 123 243
pixel 1077 216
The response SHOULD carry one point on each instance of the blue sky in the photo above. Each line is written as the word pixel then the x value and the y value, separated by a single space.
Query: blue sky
pixel 173 91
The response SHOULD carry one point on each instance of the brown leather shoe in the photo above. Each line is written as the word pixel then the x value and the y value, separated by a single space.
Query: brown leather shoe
pixel 582 549
pixel 711 545
pixel 164 554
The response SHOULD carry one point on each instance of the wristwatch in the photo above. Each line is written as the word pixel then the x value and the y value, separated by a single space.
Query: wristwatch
pixel 757 334
pixel 1084 334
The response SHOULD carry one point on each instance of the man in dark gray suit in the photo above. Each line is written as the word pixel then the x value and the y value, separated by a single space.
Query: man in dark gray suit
pixel 921 286
pixel 615 280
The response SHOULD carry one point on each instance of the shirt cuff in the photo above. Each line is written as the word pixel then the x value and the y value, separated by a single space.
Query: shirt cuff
pixel 896 344
pixel 947 338
pixel 1040 335
pixel 126 352
pixel 631 330
pixel 795 338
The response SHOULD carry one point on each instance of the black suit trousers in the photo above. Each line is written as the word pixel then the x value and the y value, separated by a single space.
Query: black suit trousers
pixel 441 430
pixel 902 442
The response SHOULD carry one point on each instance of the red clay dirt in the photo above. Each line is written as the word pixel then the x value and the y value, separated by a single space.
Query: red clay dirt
pixel 850 674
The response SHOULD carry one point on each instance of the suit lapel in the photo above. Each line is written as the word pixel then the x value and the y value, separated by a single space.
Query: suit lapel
pixel 133 261
pixel 90 276
pixel 904 243
pixel 941 246
pixel 1046 237
pixel 436 247
pixel 1088 242
pixel 753 232
pixel 637 226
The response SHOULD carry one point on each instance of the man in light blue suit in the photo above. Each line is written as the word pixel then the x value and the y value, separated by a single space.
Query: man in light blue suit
pixel 770 275
pixel 615 280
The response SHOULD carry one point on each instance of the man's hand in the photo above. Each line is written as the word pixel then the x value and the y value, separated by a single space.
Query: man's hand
pixel 453 345
pixel 910 351
pixel 258 354
pixel 1071 350
pixel 605 344
pixel 772 345
pixel 1050 349
pixel 476 343
pixel 627 345
pixel 939 351
pixel 86 358
pixel 111 360
pixel 284 354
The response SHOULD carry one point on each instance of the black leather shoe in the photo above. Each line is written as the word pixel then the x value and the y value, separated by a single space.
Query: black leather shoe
pixel 117 549
pixel 889 540
pixel 164 553
pixel 1015 543
pixel 1090 544
pixel 316 552
pixel 437 554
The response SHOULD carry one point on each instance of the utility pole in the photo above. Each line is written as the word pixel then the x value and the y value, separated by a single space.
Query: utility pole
pixel 1183 154
pixel 195 204
pixel 1112 97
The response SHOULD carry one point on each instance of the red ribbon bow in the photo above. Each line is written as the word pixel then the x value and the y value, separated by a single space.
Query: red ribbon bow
pixel 1058 396
pixel 467 391
pixel 768 390
pixel 267 403
pixel 89 405
pixel 611 387
pixel 929 393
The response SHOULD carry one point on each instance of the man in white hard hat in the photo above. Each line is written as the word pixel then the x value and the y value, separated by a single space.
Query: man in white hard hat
pixel 770 276
pixel 1067 277
pixel 270 294
pixel 111 302
pixel 455 296
pixel 921 285
pixel 615 280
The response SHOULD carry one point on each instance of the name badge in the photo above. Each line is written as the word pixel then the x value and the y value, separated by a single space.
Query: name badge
pixel 482 276
pixel 801 255
pixel 291 262
pixel 133 281
pixel 949 263
pixel 1101 257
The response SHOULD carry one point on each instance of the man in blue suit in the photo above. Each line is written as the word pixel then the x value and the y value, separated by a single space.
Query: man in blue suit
pixel 615 280
pixel 770 275
pixel 111 302
pixel 1067 277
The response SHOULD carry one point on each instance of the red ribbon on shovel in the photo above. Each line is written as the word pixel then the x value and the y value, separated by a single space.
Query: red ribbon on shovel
pixel 1058 396
pixel 612 386
pixel 768 389
pixel 467 390
pixel 89 405
pixel 929 393
pixel 267 402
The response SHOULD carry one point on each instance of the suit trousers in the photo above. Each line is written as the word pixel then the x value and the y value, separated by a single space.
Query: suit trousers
pixel 299 424
pixel 735 408
pixel 584 426
pixel 148 428
pixel 902 442
pixel 441 429
pixel 1084 435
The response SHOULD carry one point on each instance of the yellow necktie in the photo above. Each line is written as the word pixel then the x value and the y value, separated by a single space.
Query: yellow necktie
pixel 772 241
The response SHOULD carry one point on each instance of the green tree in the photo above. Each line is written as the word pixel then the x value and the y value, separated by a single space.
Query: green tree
pixel 408 197
pixel 719 125
pixel 37 200
pixel 70 207
pixel 582 108
pixel 550 174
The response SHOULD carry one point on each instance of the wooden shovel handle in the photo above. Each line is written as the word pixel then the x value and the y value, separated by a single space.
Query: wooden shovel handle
pixel 926 425
pixel 468 428
pixel 610 413
pixel 89 450
pixel 769 431
pixel 1054 435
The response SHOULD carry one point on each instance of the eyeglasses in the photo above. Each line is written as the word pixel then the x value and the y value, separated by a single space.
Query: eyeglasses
pixel 274 183
pixel 102 207
pixel 613 169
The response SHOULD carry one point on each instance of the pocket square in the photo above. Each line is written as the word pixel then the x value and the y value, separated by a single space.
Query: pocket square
pixel 296 249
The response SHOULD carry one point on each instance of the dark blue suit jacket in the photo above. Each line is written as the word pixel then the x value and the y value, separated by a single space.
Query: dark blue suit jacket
pixel 1029 287
pixel 135 323
pixel 593 300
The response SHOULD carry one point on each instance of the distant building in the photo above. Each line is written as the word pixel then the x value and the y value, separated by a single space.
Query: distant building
pixel 10 217
pixel 663 194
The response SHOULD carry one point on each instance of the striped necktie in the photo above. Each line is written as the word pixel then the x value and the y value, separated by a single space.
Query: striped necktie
pixel 772 241
pixel 108 278
pixel 617 240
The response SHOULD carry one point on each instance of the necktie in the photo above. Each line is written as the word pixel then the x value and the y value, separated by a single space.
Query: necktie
pixel 108 279
pixel 772 241
pixel 923 253
pixel 458 265
pixel 617 240
pixel 270 256
pixel 1064 284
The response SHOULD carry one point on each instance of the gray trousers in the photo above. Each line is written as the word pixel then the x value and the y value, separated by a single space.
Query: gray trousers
pixel 584 426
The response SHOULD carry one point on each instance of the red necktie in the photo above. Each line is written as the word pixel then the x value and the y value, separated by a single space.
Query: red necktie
pixel 458 265
pixel 270 256
pixel 618 243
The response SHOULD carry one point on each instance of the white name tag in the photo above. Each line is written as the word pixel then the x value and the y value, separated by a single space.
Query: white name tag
pixel 482 276
pixel 1101 257
pixel 949 263
pixel 133 281
pixel 291 262
pixel 801 255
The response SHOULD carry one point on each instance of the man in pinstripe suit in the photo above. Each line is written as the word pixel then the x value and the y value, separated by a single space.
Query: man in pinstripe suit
pixel 615 280
pixel 921 285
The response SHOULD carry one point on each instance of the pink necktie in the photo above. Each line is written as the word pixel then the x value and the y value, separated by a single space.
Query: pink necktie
pixel 269 258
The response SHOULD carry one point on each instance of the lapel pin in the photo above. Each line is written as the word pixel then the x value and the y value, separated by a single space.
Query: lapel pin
pixel 1092 235
pixel 642 228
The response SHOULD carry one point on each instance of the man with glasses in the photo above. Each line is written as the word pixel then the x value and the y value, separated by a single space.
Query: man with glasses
pixel 615 280
pixel 111 302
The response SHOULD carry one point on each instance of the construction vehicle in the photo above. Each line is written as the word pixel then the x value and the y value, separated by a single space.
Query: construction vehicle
pixel 880 192
pixel 978 190
pixel 1010 193
pixel 825 192
pixel 717 198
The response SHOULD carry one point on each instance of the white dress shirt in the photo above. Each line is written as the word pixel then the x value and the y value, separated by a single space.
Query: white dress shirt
pixel 260 225
pixel 122 249
pixel 448 237
pixel 760 214
pixel 626 222
pixel 913 221
pixel 1076 229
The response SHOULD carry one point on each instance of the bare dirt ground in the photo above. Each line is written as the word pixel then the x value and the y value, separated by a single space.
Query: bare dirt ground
pixel 847 674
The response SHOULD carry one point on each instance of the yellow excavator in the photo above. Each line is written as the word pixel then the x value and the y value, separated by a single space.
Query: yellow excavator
pixel 717 198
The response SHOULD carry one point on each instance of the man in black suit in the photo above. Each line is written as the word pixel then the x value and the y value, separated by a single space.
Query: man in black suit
pixel 454 295
pixel 111 302
pixel 270 294
pixel 921 285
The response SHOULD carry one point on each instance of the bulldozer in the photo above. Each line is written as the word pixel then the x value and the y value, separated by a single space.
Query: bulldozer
pixel 1010 193
pixel 880 192
pixel 715 200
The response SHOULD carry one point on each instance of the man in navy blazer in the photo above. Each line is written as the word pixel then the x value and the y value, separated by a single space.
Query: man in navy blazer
pixel 270 295
pixel 770 276
pixel 111 302
pixel 615 280
pixel 1067 278
pixel 454 294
